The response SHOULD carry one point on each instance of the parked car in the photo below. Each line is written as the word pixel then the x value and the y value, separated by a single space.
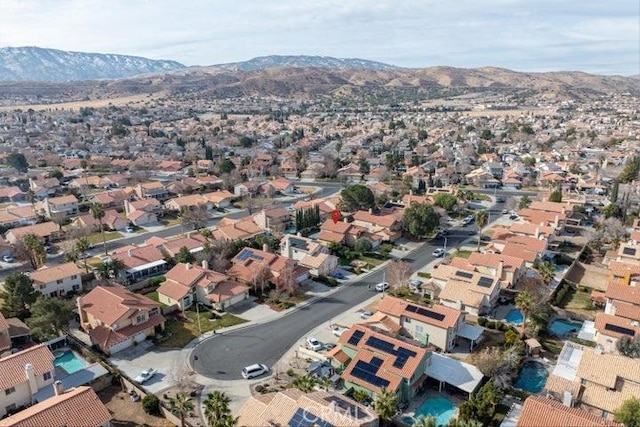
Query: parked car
pixel 504 211
pixel 415 283
pixel 365 314
pixel 382 286
pixel 337 275
pixel 438 252
pixel 129 229
pixel 338 330
pixel 329 346
pixel 8 258
pixel 254 370
pixel 145 375
pixel 314 344
pixel 500 200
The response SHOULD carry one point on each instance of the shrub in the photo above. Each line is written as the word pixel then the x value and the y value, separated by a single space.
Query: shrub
pixel 290 372
pixel 482 321
pixel 491 324
pixel 260 388
pixel 156 281
pixel 151 404
pixel 424 274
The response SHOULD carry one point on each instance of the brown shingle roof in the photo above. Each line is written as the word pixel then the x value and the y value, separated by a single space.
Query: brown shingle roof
pixel 77 407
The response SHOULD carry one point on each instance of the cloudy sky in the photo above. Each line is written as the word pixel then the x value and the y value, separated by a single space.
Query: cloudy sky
pixel 595 36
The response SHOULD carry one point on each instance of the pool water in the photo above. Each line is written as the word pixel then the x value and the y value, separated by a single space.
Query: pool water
pixel 514 316
pixel 439 407
pixel 532 377
pixel 563 327
pixel 69 362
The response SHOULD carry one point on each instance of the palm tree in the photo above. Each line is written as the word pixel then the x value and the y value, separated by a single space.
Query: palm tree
pixel 457 422
pixel 98 213
pixel 385 404
pixel 180 406
pixel 216 408
pixel 526 302
pixel 305 383
pixel 81 247
pixel 482 217
pixel 545 269
pixel 35 250
pixel 110 268
pixel 206 233
pixel 424 421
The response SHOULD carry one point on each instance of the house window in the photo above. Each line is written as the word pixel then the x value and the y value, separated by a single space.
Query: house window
pixel 74 277
pixel 46 376
pixel 9 391
pixel 140 318
pixel 419 329
pixel 407 320
pixel 59 281
pixel 76 287
pixel 10 408
pixel 42 286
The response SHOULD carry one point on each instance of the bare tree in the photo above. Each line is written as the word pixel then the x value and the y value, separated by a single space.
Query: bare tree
pixel 195 218
pixel 260 277
pixel 398 273
pixel 220 252
pixel 180 375
pixel 286 282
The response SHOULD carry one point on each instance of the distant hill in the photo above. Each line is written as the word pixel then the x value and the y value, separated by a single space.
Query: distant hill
pixel 300 61
pixel 51 65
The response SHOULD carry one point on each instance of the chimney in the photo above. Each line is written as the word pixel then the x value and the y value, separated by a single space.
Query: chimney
pixel 371 211
pixel 567 399
pixel 345 220
pixel 58 388
pixel 299 234
pixel 83 319
pixel 187 266
pixel 129 253
pixel 500 269
pixel 31 378
pixel 265 247
pixel 205 264
pixel 537 235
pixel 557 221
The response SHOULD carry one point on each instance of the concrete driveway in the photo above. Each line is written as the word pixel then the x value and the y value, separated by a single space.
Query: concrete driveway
pixel 145 355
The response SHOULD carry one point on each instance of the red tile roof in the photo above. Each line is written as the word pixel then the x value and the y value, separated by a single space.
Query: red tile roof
pixel 109 304
pixel 12 367
pixel 539 411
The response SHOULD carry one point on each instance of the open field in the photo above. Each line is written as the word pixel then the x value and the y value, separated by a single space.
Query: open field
pixel 95 103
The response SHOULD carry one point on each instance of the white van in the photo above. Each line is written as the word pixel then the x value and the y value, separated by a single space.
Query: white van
pixel 254 370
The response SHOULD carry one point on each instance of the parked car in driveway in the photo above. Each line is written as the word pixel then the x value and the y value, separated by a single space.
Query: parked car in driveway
pixel 314 344
pixel 338 330
pixel 337 275
pixel 365 314
pixel 145 375
pixel 8 258
pixel 254 370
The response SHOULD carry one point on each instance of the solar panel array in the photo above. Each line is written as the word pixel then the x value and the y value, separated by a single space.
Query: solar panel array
pixel 356 337
pixel 402 354
pixel 629 251
pixel 346 407
pixel 425 312
pixel 304 418
pixel 619 329
pixel 368 372
pixel 248 253
pixel 485 282
pixel 464 274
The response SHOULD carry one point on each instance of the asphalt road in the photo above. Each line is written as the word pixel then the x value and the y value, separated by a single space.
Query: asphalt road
pixel 223 356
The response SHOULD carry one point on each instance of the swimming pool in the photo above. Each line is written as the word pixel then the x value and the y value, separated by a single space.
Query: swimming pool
pixel 532 377
pixel 563 327
pixel 514 316
pixel 69 361
pixel 440 407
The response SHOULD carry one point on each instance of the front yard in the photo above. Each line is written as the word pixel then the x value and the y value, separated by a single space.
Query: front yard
pixel 96 238
pixel 181 332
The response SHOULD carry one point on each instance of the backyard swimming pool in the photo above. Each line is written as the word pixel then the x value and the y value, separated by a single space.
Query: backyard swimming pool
pixel 563 327
pixel 514 316
pixel 440 407
pixel 532 377
pixel 69 361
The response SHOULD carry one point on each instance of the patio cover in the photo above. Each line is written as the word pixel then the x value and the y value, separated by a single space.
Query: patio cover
pixel 470 332
pixel 458 374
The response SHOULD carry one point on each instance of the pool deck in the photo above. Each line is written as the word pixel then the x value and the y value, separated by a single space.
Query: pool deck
pixel 429 394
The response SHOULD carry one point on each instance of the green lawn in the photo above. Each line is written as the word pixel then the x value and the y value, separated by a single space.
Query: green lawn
pixel 463 254
pixel 580 302
pixel 181 333
pixel 370 260
pixel 170 220
pixel 154 296
pixel 96 238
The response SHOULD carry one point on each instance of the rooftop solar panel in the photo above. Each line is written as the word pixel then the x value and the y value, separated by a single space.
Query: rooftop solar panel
pixel 346 407
pixel 356 337
pixel 381 345
pixel 304 418
pixel 377 362
pixel 485 282
pixel 464 274
pixel 619 329
pixel 629 251
pixel 431 314
pixel 369 377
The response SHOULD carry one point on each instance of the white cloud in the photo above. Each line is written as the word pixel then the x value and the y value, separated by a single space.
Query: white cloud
pixel 518 34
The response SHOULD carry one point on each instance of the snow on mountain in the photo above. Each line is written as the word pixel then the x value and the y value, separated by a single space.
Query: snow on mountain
pixel 272 61
pixel 39 64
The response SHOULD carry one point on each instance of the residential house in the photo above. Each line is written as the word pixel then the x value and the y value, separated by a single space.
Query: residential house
pixel 151 189
pixel 291 407
pixel 437 325
pixel 249 261
pixel 282 185
pixel 621 316
pixel 275 220
pixel 546 218
pixel 473 292
pixel 5 338
pixel 506 268
pixel 112 220
pixel 346 233
pixel 140 262
pixel 221 198
pixel 87 182
pixel 190 202
pixel 537 231
pixel 11 194
pixel 58 209
pixel 143 212
pixel 240 229
pixel 623 271
pixel 565 208
pixel 186 283
pixel 116 318
pixel 376 361
pixel 349 174
pixel 23 374
pixel 112 198
pixel 17 216
pixel 325 207
pixel 542 411
pixel 387 225
pixel 42 188
pixel 76 407
pixel 247 188
pixel 581 380
pixel 194 242
pixel 309 254
pixel 57 280
pixel 46 231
